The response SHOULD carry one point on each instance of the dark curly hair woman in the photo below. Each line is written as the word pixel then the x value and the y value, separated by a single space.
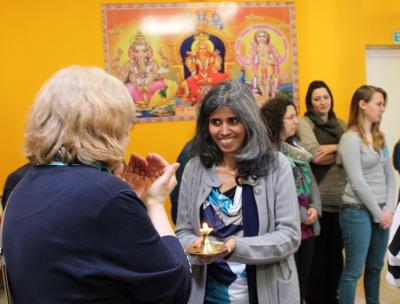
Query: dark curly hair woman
pixel 280 116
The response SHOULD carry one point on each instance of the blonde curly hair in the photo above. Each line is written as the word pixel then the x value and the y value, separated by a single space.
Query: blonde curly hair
pixel 81 114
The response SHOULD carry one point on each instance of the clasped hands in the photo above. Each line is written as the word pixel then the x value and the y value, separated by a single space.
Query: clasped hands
pixel 386 220
pixel 151 178
pixel 325 155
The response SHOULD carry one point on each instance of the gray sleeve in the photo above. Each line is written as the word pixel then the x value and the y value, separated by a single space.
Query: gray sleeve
pixel 184 227
pixel 307 136
pixel 315 199
pixel 284 239
pixel 390 184
pixel 314 195
pixel 349 149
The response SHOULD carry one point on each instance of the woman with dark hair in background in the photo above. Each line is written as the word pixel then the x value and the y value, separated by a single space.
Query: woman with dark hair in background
pixel 280 117
pixel 319 132
pixel 240 187
pixel 369 195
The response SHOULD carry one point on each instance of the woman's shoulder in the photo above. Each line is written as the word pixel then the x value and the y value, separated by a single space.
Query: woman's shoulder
pixel 353 134
pixel 280 158
pixel 280 163
pixel 194 167
pixel 97 181
pixel 306 121
pixel 350 137
pixel 194 163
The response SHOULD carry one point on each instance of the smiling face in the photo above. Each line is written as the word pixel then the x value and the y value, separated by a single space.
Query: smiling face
pixel 321 101
pixel 290 123
pixel 374 108
pixel 226 130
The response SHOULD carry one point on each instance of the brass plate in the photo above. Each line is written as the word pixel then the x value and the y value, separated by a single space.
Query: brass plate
pixel 197 251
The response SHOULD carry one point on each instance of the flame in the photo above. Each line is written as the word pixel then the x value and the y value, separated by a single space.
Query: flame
pixel 205 226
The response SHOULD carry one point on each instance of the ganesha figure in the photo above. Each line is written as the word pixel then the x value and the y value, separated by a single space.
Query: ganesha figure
pixel 204 64
pixel 141 74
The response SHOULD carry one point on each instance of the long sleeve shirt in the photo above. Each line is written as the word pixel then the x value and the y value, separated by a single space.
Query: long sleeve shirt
pixel 370 178
pixel 74 234
pixel 332 185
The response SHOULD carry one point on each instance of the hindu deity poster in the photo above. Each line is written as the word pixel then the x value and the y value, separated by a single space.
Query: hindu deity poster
pixel 169 55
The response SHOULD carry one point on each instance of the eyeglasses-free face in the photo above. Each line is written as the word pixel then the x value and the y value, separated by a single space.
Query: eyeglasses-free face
pixel 226 130
pixel 321 101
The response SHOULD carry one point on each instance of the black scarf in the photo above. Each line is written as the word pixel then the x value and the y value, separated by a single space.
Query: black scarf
pixel 250 228
pixel 327 133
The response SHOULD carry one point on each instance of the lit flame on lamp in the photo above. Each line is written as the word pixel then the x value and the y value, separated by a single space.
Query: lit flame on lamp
pixel 206 247
pixel 205 230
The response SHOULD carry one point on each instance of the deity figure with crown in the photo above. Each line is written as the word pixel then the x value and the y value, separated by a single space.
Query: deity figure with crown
pixel 142 75
pixel 204 64
pixel 265 63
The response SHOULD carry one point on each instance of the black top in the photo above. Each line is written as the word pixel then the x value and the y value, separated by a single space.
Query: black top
pixel 74 234
pixel 183 158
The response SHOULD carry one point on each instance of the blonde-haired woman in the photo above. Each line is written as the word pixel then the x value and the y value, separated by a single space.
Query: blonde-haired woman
pixel 82 234
pixel 369 195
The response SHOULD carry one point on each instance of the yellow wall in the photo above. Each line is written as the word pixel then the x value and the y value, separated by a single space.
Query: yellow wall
pixel 39 37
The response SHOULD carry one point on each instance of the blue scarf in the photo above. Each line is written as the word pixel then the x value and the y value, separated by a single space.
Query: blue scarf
pixel 250 228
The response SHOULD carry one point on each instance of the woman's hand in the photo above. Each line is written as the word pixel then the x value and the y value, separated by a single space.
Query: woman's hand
pixel 386 220
pixel 227 248
pixel 141 173
pixel 137 177
pixel 325 155
pixel 162 186
pixel 155 165
pixel 325 149
pixel 312 216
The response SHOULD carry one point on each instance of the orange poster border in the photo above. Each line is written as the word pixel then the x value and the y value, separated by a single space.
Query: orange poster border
pixel 127 20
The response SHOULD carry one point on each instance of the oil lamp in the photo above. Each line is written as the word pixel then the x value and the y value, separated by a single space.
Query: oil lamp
pixel 207 248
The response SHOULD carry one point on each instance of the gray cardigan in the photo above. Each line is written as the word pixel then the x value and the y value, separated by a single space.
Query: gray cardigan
pixel 370 177
pixel 272 251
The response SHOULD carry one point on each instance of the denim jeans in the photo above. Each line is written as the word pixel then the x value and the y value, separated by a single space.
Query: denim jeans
pixel 365 244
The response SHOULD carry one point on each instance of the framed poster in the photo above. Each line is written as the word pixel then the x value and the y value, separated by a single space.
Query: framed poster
pixel 169 55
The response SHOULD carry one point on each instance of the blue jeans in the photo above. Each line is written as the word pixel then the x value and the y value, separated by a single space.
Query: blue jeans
pixel 364 244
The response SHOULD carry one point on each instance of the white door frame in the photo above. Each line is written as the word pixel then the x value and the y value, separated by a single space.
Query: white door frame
pixel 383 70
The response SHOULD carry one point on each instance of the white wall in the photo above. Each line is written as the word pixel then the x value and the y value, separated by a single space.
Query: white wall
pixel 383 70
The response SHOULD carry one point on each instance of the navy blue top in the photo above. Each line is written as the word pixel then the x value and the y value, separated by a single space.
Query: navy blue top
pixel 75 234
pixel 396 157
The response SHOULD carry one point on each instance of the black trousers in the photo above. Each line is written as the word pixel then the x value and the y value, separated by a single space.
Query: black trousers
pixel 327 264
pixel 303 258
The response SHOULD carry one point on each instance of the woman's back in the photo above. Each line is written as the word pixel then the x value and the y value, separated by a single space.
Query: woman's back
pixel 90 240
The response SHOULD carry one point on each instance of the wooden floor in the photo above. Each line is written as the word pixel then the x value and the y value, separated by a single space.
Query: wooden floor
pixel 389 294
